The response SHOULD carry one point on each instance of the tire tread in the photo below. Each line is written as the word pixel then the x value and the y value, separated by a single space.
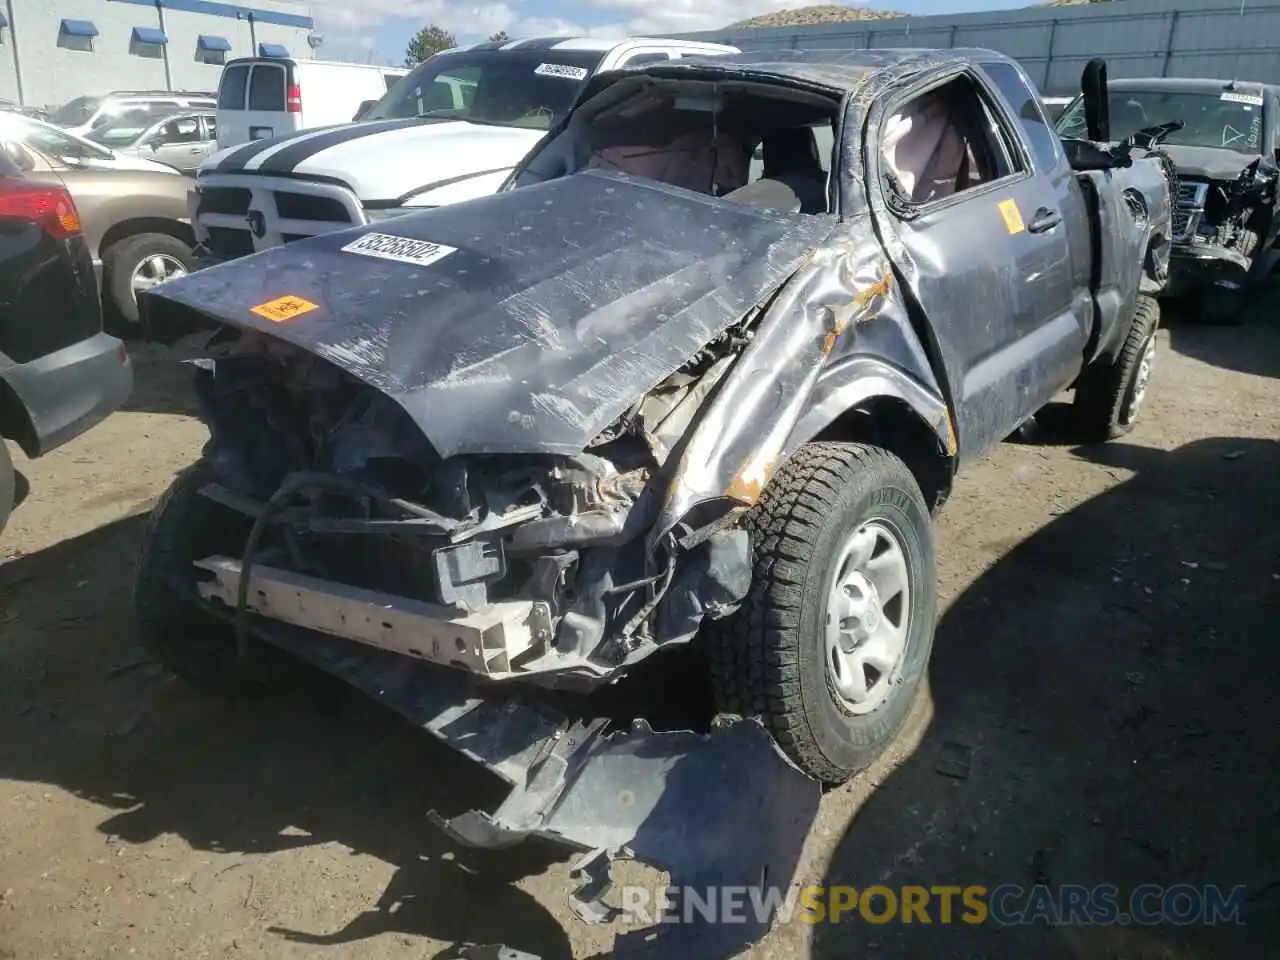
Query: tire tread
pixel 1103 389
pixel 754 654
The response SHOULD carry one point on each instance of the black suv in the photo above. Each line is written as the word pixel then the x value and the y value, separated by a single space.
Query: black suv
pixel 59 373
pixel 1227 154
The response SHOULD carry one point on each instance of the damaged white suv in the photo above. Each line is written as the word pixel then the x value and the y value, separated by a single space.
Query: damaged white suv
pixel 485 459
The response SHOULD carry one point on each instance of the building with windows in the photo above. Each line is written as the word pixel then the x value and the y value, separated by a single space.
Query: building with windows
pixel 53 50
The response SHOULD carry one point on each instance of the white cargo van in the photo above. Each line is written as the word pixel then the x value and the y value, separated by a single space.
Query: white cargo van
pixel 266 96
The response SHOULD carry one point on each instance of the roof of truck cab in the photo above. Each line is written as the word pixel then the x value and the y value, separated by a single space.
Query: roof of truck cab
pixel 1189 85
pixel 835 70
pixel 588 44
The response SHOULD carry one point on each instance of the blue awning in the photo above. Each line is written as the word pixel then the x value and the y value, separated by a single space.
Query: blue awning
pixel 212 44
pixel 79 28
pixel 4 21
pixel 277 51
pixel 149 35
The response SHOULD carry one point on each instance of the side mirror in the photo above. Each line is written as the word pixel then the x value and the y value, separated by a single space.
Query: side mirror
pixel 1097 104
pixel 365 106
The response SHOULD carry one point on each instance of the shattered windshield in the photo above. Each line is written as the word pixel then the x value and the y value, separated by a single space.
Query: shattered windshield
pixel 510 87
pixel 1230 120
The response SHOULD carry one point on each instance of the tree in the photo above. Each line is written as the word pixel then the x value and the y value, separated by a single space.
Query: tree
pixel 500 37
pixel 426 42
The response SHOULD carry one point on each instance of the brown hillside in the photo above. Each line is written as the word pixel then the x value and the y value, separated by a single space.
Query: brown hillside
pixel 821 13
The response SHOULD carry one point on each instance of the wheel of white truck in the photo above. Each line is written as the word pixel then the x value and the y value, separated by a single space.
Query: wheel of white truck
pixel 141 262
pixel 8 484
pixel 200 648
pixel 832 642
pixel 1110 397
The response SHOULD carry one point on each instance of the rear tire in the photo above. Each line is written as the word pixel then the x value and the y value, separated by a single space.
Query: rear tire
pixel 1109 396
pixel 8 485
pixel 184 527
pixel 774 658
pixel 126 258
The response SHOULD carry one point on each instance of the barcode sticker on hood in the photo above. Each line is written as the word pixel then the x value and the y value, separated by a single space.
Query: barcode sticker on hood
pixel 402 249
pixel 1250 98
pixel 561 70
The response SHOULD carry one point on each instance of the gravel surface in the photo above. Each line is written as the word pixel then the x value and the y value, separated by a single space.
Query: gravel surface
pixel 1103 681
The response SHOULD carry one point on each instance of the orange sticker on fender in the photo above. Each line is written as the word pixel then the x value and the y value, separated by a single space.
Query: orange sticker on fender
pixel 284 308
pixel 1012 216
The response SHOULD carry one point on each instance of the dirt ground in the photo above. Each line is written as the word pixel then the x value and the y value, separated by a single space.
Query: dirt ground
pixel 1106 659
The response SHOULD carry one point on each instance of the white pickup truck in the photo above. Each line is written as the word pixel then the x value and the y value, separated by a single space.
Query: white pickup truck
pixel 451 130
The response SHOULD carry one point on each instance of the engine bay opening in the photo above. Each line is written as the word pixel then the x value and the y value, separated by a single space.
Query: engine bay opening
pixel 532 565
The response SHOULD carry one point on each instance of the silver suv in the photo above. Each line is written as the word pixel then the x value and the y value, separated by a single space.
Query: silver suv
pixel 82 115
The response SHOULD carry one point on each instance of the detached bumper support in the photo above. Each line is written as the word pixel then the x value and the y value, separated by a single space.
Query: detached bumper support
pixel 725 809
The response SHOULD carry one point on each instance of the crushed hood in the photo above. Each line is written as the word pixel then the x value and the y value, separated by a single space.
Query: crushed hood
pixel 385 161
pixel 1209 163
pixel 523 322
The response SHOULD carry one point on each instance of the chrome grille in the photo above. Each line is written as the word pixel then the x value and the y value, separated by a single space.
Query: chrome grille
pixel 1189 209
pixel 1188 193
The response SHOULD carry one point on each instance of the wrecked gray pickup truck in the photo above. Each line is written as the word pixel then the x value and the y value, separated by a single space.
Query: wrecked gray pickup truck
pixel 487 460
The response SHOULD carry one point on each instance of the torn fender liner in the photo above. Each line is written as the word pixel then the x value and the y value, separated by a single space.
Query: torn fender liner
pixel 725 809
pixel 557 306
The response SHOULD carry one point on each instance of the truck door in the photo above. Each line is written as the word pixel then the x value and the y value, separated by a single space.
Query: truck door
pixel 984 251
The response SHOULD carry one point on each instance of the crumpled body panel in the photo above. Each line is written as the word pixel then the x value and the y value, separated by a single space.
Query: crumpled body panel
pixel 724 809
pixel 837 334
pixel 558 307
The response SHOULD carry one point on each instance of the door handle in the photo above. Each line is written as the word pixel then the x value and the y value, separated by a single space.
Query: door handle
pixel 1044 220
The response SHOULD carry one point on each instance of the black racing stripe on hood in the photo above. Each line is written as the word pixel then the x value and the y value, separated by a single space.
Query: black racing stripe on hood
pixel 448 182
pixel 290 157
pixel 241 155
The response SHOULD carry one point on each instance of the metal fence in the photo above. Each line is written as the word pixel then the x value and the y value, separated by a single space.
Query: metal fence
pixel 1139 38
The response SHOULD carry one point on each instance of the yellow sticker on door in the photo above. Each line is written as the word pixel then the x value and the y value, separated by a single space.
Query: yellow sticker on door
pixel 1012 216
pixel 284 308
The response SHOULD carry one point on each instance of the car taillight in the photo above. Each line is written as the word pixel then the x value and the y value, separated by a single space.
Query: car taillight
pixel 294 98
pixel 41 203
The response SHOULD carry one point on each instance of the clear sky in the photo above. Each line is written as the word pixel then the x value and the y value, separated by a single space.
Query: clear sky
pixel 378 30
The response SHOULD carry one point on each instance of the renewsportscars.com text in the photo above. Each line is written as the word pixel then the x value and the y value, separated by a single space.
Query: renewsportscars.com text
pixel 1008 905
